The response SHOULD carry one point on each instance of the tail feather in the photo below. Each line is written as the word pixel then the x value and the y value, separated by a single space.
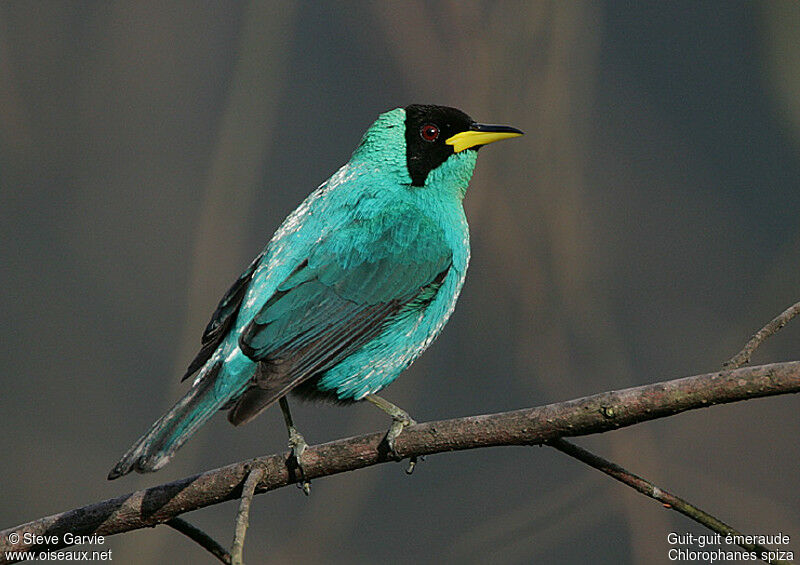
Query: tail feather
pixel 156 447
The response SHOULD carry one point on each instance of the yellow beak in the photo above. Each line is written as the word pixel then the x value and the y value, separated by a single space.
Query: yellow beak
pixel 481 134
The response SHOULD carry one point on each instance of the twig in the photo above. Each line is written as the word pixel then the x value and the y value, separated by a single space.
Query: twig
pixel 758 338
pixel 531 426
pixel 202 538
pixel 243 515
pixel 647 488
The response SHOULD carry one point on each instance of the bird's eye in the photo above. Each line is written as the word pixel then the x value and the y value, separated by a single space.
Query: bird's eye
pixel 429 132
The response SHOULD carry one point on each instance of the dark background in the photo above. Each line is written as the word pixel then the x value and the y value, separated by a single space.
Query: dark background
pixel 644 227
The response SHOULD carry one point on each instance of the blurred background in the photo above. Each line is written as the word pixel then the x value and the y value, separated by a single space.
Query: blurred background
pixel 642 230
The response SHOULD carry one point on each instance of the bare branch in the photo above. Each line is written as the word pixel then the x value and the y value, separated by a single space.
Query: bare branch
pixel 647 488
pixel 761 335
pixel 531 426
pixel 202 538
pixel 243 515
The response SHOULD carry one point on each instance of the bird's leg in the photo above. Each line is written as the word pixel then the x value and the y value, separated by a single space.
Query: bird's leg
pixel 297 443
pixel 400 420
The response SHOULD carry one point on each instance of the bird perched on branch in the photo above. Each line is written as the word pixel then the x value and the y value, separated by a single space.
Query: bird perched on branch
pixel 355 284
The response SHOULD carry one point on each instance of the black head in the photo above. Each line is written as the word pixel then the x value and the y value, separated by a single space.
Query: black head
pixel 427 128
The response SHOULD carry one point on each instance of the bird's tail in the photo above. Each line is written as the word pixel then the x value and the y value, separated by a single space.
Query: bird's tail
pixel 155 448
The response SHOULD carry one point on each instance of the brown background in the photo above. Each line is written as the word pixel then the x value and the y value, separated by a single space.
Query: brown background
pixel 644 227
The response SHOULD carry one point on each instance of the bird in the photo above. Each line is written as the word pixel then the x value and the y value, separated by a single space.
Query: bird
pixel 353 286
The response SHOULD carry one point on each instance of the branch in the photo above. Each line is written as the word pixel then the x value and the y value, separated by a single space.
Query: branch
pixel 761 335
pixel 531 426
pixel 243 515
pixel 666 498
pixel 203 539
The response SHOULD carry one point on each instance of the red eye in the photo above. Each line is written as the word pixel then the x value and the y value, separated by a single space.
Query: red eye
pixel 429 132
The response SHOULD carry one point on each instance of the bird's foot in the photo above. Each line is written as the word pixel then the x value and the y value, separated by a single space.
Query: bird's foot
pixel 298 445
pixel 400 421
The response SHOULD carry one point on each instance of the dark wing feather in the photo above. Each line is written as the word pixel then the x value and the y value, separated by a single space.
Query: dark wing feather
pixel 223 318
pixel 306 329
pixel 291 366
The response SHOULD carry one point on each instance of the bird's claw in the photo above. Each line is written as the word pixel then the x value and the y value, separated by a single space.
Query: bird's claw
pixel 400 420
pixel 305 486
pixel 412 463
pixel 399 423
pixel 298 445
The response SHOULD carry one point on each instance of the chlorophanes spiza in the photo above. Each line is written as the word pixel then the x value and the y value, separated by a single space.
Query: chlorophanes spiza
pixel 355 284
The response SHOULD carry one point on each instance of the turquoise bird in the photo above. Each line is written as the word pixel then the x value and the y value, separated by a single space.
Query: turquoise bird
pixel 353 287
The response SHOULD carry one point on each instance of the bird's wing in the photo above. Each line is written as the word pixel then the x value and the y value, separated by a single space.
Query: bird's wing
pixel 223 318
pixel 339 299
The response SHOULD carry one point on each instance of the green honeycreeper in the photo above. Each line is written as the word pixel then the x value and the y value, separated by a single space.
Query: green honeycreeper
pixel 355 284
